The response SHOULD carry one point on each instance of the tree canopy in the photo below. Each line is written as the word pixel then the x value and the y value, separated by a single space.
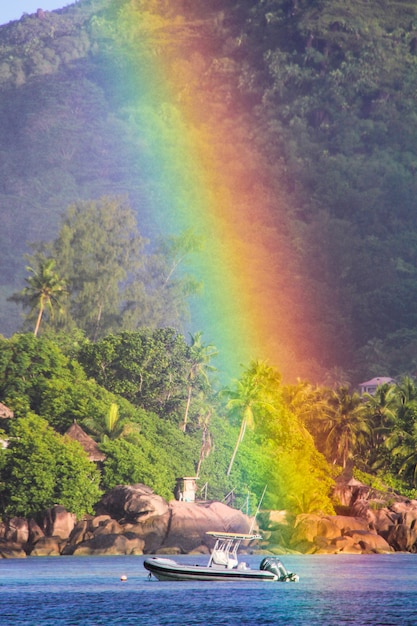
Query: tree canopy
pixel 327 91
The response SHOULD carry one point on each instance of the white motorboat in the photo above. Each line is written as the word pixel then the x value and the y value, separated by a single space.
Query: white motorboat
pixel 223 564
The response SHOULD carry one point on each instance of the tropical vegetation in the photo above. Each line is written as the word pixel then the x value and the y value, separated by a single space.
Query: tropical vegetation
pixel 328 91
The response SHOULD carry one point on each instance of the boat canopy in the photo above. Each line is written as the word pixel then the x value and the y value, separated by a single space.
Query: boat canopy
pixel 235 536
pixel 224 553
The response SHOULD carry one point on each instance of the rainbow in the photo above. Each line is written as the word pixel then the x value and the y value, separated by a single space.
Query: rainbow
pixel 205 173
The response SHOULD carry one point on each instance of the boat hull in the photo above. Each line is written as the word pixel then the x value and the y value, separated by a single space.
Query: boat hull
pixel 166 569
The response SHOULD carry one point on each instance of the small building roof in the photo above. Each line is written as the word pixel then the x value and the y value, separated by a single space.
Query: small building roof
pixel 377 381
pixel 90 446
pixel 5 412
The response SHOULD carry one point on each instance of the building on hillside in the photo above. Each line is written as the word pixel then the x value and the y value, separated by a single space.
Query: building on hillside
pixel 90 446
pixel 186 488
pixel 370 386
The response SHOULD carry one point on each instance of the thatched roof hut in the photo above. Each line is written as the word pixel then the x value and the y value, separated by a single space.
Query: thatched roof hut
pixel 90 446
pixel 5 412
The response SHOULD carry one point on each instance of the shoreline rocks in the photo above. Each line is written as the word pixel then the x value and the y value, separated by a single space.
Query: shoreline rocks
pixel 131 519
pixel 369 521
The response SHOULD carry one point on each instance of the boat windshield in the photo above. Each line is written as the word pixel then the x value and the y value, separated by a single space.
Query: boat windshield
pixel 224 553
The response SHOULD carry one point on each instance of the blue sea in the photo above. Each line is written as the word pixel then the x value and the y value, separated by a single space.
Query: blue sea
pixel 333 590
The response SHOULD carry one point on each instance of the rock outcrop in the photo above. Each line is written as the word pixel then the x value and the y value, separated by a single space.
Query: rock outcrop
pixel 130 519
pixel 372 521
pixel 331 534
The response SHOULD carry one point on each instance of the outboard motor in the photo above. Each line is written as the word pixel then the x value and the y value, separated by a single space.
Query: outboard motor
pixel 274 565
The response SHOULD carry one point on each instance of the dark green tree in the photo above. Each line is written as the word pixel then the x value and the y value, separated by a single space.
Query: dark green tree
pixel 163 286
pixel 147 367
pixel 199 357
pixel 40 468
pixel 97 250
pixel 252 393
pixel 345 426
pixel 27 363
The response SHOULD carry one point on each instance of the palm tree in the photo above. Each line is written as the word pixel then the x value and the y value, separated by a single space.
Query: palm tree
pixel 307 402
pixel 111 426
pixel 401 437
pixel 206 439
pixel 407 403
pixel 199 366
pixel 44 290
pixel 252 393
pixel 344 425
pixel 382 407
pixel 404 445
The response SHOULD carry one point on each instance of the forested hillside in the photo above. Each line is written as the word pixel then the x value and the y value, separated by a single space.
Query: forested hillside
pixel 328 91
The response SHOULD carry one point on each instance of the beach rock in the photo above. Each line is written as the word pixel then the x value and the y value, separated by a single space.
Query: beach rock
pixel 97 520
pixel 11 550
pixel 305 528
pixel 350 491
pixel 347 523
pixel 35 532
pixel 153 531
pixel 108 527
pixel 17 530
pixel 190 521
pixel 404 506
pixel 88 532
pixel 131 519
pixel 341 544
pixel 47 546
pixel 381 520
pixel 402 538
pixel 331 534
pixel 81 532
pixel 58 522
pixel 111 544
pixel 369 541
pixel 353 548
pixel 328 528
pixel 309 526
pixel 132 503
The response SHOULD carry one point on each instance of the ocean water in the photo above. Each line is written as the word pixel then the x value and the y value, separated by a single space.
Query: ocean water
pixel 357 590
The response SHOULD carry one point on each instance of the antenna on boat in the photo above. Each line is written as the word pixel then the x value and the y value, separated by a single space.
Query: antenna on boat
pixel 257 510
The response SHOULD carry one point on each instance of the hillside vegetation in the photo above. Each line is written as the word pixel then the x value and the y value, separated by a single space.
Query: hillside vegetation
pixel 328 92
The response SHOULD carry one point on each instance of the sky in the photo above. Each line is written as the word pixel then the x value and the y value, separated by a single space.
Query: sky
pixel 14 9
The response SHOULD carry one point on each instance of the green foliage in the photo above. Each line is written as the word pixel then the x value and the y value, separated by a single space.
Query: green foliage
pixel 27 363
pixel 111 425
pixel 147 367
pixel 35 375
pixel 156 457
pixel 111 283
pixel 97 250
pixel 167 285
pixel 43 292
pixel 127 464
pixel 327 90
pixel 279 453
pixel 252 394
pixel 199 357
pixel 40 468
